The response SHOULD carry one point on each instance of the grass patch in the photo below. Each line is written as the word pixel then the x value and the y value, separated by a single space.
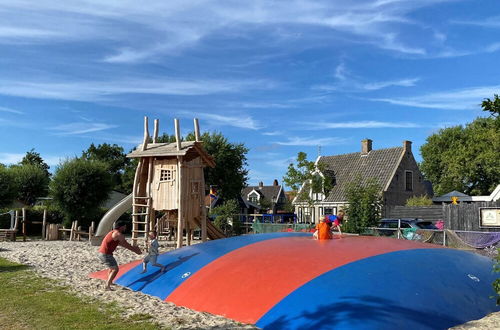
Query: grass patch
pixel 29 301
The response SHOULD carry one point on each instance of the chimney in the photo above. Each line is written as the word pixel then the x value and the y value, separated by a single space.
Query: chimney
pixel 261 184
pixel 407 146
pixel 366 146
pixel 275 182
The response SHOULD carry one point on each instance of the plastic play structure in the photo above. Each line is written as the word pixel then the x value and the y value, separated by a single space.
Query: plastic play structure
pixel 169 178
pixel 290 281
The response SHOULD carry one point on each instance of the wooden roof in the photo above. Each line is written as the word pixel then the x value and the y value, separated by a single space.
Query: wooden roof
pixel 189 149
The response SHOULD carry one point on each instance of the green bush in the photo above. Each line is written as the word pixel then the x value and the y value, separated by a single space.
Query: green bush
pixel 419 201
pixel 8 187
pixel 79 187
pixel 31 181
pixel 225 212
pixel 364 205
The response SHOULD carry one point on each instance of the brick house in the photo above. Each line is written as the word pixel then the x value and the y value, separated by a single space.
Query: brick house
pixel 394 169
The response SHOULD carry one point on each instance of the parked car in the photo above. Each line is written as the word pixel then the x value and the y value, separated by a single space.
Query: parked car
pixel 405 223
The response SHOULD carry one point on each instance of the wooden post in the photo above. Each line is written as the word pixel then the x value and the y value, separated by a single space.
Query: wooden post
pixel 91 230
pixel 444 237
pixel 150 217
pixel 24 224
pixel 44 224
pixel 196 130
pixel 16 219
pixel 177 134
pixel 155 131
pixel 146 134
pixel 203 213
pixel 180 207
pixel 188 234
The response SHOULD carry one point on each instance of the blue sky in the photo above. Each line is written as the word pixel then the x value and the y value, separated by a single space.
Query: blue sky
pixel 279 76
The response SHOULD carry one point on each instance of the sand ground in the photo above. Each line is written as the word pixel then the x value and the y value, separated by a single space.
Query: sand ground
pixel 71 262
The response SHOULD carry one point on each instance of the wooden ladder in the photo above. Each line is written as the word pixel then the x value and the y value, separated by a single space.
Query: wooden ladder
pixel 140 218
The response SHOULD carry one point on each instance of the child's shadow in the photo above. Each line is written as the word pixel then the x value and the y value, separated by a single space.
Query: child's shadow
pixel 145 280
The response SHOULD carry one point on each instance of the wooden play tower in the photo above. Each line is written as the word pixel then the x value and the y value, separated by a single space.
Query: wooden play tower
pixel 169 179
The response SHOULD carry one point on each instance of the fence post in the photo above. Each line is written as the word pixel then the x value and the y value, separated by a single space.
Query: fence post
pixel 399 227
pixel 44 223
pixel 444 237
pixel 24 224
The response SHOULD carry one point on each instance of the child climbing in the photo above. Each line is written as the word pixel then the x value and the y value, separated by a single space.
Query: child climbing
pixel 335 221
pixel 323 230
pixel 152 254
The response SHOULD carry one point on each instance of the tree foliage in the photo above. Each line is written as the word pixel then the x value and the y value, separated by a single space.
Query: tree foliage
pixel 8 187
pixel 492 106
pixel 31 180
pixel 464 158
pixel 303 174
pixel 419 201
pixel 33 158
pixel 364 207
pixel 225 217
pixel 79 187
pixel 114 157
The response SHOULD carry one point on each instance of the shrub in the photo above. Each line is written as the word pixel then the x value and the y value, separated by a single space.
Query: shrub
pixel 79 187
pixel 8 187
pixel 419 201
pixel 223 213
pixel 31 181
pixel 364 205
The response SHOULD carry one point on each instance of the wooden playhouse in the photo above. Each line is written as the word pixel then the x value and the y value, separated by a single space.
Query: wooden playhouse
pixel 169 179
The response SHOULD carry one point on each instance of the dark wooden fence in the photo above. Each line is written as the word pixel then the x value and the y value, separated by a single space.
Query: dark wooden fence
pixel 464 216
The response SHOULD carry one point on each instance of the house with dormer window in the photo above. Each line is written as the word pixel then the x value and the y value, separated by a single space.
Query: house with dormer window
pixel 394 169
pixel 273 195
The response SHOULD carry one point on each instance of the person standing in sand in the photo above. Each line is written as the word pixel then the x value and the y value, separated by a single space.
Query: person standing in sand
pixel 109 245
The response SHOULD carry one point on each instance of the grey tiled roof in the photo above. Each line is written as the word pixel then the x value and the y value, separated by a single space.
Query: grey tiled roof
pixel 378 164
pixel 268 192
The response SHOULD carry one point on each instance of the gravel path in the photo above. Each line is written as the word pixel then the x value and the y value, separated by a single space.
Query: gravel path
pixel 71 262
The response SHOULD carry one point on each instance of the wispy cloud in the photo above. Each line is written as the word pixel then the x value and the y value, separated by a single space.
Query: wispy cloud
pixel 362 124
pixel 383 84
pixel 273 133
pixel 490 22
pixel 101 90
pixel 281 163
pixel 462 99
pixel 172 26
pixel 14 158
pixel 241 121
pixel 312 141
pixel 78 128
pixel 4 109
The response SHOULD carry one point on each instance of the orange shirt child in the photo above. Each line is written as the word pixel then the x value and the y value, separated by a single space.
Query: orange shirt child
pixel 324 231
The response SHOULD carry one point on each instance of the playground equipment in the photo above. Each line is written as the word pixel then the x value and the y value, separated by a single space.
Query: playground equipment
pixel 290 281
pixel 168 178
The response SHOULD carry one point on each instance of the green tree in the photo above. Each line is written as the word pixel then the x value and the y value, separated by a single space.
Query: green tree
pixel 492 106
pixel 364 205
pixel 463 158
pixel 113 156
pixel 303 174
pixel 419 201
pixel 33 158
pixel 32 181
pixel 230 173
pixel 79 187
pixel 225 214
pixel 8 187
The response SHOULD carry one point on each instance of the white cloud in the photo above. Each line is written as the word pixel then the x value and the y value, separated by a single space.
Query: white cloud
pixel 101 90
pixel 142 32
pixel 462 99
pixel 273 133
pixel 363 124
pixel 409 82
pixel 79 128
pixel 241 121
pixel 341 71
pixel 311 141
pixel 490 22
pixel 280 163
pixel 4 109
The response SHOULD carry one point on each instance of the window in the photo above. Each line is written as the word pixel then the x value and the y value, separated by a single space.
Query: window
pixel 195 187
pixel 408 180
pixel 253 198
pixel 166 175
